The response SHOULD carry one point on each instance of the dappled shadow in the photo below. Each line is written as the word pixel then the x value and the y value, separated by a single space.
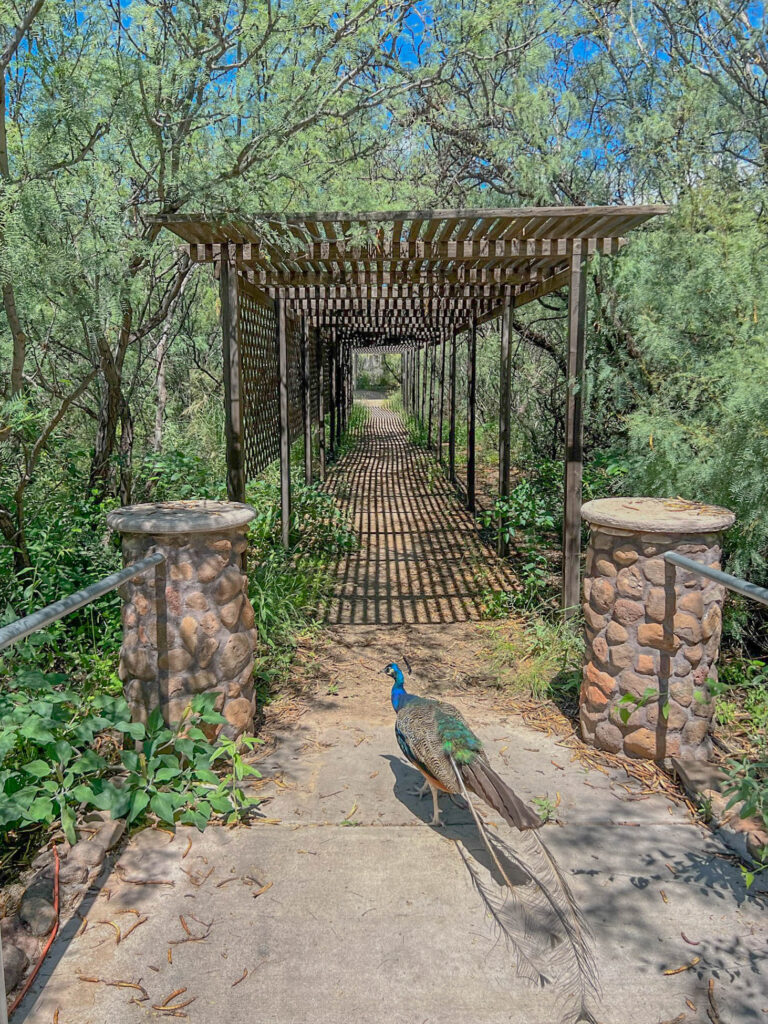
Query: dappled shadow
pixel 632 885
pixel 420 557
pixel 458 823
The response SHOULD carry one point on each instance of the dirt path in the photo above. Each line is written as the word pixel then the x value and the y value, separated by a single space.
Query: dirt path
pixel 341 903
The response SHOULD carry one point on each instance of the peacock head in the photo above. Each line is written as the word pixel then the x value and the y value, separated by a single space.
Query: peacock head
pixel 395 672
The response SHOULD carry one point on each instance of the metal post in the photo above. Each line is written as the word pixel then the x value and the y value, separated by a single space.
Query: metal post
pixel 233 404
pixel 285 438
pixel 471 389
pixel 307 396
pixel 452 409
pixel 320 403
pixel 505 382
pixel 574 430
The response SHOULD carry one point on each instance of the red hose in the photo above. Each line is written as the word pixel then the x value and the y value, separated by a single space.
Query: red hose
pixel 51 937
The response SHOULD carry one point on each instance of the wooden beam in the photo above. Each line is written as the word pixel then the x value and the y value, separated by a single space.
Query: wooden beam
pixel 471 411
pixel 452 406
pixel 233 397
pixel 295 258
pixel 505 383
pixel 306 400
pixel 285 426
pixel 529 215
pixel 470 249
pixel 574 434
pixel 319 356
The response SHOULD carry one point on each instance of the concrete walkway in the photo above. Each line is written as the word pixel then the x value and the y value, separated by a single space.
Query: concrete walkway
pixel 344 904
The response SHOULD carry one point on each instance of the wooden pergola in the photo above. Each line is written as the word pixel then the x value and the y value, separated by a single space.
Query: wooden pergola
pixel 301 292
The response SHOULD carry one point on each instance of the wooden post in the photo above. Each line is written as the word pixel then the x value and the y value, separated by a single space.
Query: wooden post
pixel 471 389
pixel 307 400
pixel 233 398
pixel 416 384
pixel 339 392
pixel 452 406
pixel 574 430
pixel 424 382
pixel 430 416
pixel 320 403
pixel 347 384
pixel 344 386
pixel 332 390
pixel 285 436
pixel 441 407
pixel 505 382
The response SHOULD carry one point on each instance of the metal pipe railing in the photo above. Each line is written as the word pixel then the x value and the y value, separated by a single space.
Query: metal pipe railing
pixel 17 630
pixel 739 586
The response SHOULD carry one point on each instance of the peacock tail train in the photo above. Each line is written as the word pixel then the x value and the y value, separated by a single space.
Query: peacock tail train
pixel 534 909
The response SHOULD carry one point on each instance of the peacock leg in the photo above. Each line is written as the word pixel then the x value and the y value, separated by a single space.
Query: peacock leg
pixel 436 810
pixel 422 790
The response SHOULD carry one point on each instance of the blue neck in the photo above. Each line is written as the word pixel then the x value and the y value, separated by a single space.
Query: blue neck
pixel 399 696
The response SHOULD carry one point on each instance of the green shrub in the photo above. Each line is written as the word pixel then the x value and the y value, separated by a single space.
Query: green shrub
pixel 60 755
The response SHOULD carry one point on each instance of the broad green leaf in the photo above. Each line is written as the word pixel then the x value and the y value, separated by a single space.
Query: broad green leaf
pixel 68 824
pixel 162 805
pixel 138 803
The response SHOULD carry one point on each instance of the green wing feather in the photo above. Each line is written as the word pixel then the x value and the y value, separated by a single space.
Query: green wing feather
pixel 456 738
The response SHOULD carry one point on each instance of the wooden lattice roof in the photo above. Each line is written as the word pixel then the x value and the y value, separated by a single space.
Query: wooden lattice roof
pixel 407 276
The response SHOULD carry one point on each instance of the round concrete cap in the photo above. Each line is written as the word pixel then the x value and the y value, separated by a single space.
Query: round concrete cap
pixel 657 515
pixel 175 517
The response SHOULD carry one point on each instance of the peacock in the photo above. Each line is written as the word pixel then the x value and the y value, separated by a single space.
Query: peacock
pixel 436 739
pixel 438 742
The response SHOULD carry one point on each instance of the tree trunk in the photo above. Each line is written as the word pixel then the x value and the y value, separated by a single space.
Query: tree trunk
pixel 112 410
pixel 101 477
pixel 12 529
pixel 162 395
pixel 126 453
pixel 9 299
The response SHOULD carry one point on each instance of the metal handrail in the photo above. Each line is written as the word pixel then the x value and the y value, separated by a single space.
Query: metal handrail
pixel 730 582
pixel 17 630
pixel 20 628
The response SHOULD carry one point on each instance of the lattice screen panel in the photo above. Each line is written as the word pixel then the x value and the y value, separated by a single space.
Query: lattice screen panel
pixel 313 375
pixel 260 380
pixel 295 401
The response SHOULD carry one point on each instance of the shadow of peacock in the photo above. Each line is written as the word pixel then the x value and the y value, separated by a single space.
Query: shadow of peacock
pixel 540 920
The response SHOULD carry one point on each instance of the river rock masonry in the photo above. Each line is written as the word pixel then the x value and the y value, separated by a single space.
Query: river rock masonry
pixel 188 626
pixel 650 626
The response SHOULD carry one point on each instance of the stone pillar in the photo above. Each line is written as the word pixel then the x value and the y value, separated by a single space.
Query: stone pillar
pixel 650 625
pixel 187 623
